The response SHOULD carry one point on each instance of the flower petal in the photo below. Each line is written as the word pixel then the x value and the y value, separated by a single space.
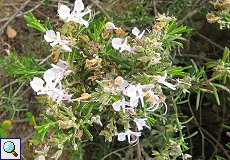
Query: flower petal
pixel 78 6
pixel 110 26
pixel 117 105
pixel 66 48
pixel 131 91
pixel 116 43
pixel 136 31
pixel 64 11
pixel 80 20
pixel 50 36
pixel 37 84
pixel 121 136
pixel 49 76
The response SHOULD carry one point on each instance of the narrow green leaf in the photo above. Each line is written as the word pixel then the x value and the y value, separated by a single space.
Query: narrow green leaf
pixel 185 122
pixel 151 120
pixel 222 87
pixel 182 102
pixel 195 66
pixel 215 94
pixel 199 74
pixel 87 133
pixel 191 135
pixel 225 54
pixel 227 127
pixel 48 25
pixel 198 99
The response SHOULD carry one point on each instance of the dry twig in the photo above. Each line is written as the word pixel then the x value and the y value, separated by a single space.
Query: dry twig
pixel 21 14
pixel 100 8
pixel 13 16
pixel 210 41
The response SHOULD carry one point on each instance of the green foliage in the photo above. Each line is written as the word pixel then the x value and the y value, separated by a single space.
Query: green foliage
pixel 3 128
pixel 30 119
pixel 33 22
pixel 10 102
pixel 221 67
pixel 22 68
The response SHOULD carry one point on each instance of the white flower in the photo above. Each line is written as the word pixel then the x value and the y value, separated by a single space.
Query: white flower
pixel 161 79
pixel 118 45
pixel 117 106
pixel 128 133
pixel 135 92
pixel 40 158
pixel 55 39
pixel 186 156
pixel 61 69
pixel 137 33
pixel 55 93
pixel 76 15
pixel 140 123
pixel 154 101
pixel 37 84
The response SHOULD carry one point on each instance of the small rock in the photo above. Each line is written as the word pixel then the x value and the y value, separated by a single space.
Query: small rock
pixel 11 33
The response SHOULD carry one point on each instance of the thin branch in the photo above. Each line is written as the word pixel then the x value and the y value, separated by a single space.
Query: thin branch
pixel 223 122
pixel 138 148
pixel 196 122
pixel 216 141
pixel 21 14
pixel 28 137
pixel 114 152
pixel 100 8
pixel 194 56
pixel 190 13
pixel 202 131
pixel 210 41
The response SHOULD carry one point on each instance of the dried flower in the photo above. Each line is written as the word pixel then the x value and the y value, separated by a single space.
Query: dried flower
pixel 97 120
pixel 94 63
pixel 121 83
pixel 110 26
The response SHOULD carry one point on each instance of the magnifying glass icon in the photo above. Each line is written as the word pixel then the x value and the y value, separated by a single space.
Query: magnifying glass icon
pixel 9 147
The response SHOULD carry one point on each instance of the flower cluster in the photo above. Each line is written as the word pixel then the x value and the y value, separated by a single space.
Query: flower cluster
pixel 136 95
pixel 133 96
pixel 76 15
pixel 52 80
pixel 51 85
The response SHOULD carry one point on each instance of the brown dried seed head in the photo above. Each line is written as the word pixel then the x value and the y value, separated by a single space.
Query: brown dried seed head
pixel 119 31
